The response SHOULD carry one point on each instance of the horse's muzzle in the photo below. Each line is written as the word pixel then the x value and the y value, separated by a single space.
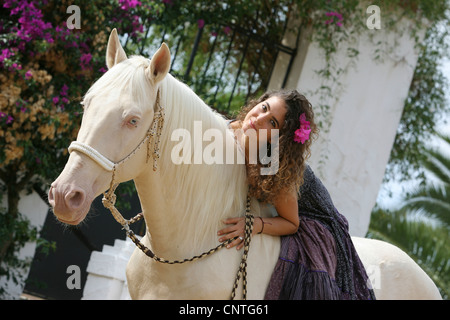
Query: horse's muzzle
pixel 68 203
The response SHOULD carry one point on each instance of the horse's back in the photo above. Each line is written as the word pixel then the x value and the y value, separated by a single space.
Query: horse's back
pixel 393 274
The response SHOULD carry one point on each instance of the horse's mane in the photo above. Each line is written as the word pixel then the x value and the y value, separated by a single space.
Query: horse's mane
pixel 207 193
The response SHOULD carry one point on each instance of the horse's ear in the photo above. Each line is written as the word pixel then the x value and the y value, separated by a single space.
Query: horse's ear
pixel 114 51
pixel 160 64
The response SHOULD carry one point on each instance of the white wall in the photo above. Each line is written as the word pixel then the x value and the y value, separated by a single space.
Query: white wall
pixel 351 154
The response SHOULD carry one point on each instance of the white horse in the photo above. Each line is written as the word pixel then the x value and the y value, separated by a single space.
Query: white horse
pixel 184 204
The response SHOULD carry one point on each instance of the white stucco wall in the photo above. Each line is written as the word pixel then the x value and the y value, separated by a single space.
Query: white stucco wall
pixel 351 154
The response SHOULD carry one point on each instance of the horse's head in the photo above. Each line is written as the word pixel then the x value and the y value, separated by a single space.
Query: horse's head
pixel 118 112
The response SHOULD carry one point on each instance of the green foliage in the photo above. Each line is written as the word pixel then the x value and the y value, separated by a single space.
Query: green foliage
pixel 17 232
pixel 432 199
pixel 421 227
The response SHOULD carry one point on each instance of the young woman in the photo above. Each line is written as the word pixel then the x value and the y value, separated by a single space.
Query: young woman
pixel 317 258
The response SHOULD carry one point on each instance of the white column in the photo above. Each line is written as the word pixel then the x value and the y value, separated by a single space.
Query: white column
pixel 365 110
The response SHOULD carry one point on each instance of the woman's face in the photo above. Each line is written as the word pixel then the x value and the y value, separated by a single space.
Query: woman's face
pixel 268 115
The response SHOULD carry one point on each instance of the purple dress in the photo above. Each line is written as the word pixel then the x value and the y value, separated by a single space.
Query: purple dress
pixel 319 261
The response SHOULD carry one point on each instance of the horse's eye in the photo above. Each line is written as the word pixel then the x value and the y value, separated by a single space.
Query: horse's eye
pixel 133 122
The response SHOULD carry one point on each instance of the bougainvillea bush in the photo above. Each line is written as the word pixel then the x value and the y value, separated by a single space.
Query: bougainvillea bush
pixel 46 67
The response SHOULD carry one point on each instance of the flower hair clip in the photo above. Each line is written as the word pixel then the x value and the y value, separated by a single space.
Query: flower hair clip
pixel 302 134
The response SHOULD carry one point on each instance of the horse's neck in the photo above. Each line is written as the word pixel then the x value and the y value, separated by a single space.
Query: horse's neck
pixel 188 224
pixel 184 205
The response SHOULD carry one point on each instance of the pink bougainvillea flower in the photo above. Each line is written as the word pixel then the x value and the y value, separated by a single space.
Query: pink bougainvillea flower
pixel 334 14
pixel 64 89
pixel 15 66
pixel 85 60
pixel 129 4
pixel 227 30
pixel 302 134
pixel 6 53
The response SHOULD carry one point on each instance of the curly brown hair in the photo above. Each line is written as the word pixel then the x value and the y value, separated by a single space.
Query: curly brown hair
pixel 292 155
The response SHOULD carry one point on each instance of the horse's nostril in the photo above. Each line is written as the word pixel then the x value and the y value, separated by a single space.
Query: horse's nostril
pixel 74 199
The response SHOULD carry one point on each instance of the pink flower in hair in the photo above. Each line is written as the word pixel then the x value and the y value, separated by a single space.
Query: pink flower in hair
pixel 302 134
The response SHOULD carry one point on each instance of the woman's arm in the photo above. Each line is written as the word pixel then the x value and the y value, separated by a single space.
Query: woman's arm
pixel 285 223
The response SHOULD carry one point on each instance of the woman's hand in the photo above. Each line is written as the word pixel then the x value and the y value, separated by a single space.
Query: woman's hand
pixel 235 228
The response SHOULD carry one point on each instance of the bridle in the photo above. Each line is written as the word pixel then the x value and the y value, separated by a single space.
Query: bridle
pixel 109 198
pixel 154 130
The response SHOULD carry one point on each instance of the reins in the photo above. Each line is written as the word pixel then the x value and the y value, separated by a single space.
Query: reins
pixel 109 203
pixel 109 200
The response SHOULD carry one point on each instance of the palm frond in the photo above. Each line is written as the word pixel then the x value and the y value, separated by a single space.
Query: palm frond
pixel 438 164
pixel 444 137
pixel 433 200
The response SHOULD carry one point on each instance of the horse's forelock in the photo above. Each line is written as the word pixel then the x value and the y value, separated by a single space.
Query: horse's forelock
pixel 127 76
